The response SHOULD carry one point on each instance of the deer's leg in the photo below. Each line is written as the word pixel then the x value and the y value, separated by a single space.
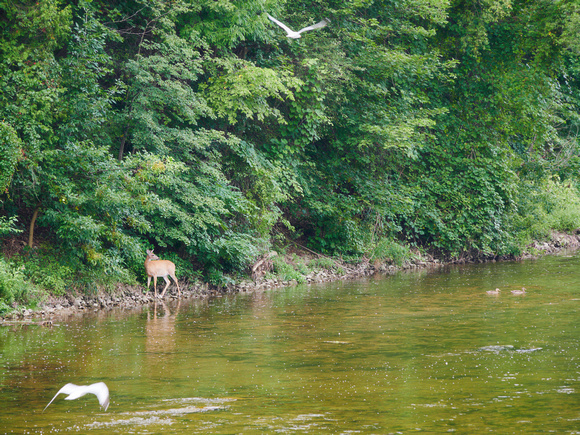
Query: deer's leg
pixel 148 282
pixel 155 285
pixel 177 284
pixel 167 282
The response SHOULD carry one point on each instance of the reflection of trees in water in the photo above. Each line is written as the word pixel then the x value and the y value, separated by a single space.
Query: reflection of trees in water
pixel 160 329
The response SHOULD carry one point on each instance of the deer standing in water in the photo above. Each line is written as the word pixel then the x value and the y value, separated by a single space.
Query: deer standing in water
pixel 159 268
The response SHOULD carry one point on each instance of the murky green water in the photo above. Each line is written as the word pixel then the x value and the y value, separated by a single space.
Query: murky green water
pixel 427 351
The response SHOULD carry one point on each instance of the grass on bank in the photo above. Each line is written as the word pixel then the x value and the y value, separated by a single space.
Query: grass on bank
pixel 545 207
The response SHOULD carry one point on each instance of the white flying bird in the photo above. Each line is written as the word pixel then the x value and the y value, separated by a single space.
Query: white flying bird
pixel 295 35
pixel 75 391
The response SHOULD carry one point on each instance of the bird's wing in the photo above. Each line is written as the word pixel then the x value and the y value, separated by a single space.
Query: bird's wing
pixel 67 389
pixel 284 26
pixel 100 390
pixel 318 25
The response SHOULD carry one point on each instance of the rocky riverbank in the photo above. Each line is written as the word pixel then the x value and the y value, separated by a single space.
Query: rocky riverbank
pixel 127 297
pixel 130 297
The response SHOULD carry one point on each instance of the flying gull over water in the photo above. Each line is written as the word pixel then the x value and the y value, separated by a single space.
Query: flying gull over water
pixel 75 391
pixel 295 35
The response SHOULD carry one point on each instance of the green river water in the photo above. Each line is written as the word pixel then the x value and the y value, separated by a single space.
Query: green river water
pixel 425 351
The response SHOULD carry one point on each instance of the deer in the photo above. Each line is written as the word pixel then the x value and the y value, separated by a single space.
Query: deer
pixel 159 268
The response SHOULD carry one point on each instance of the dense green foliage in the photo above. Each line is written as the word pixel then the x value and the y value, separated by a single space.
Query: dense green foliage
pixel 199 129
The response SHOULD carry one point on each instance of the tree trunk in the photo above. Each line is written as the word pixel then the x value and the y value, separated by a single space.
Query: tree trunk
pixel 122 146
pixel 31 230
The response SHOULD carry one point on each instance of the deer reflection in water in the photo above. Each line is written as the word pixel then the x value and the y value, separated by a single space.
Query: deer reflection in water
pixel 160 329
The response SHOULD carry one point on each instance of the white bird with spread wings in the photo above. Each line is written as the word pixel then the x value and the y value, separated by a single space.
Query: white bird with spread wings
pixel 295 35
pixel 75 391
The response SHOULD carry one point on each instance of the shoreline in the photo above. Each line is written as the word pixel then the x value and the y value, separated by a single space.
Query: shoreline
pixel 132 297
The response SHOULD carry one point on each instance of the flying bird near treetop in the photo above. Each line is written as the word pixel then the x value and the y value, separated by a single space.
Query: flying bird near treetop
pixel 295 35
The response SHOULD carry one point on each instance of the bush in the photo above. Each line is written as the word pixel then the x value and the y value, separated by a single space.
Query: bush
pixel 327 263
pixel 323 263
pixel 390 251
pixel 286 271
pixel 52 270
pixel 300 264
pixel 52 277
pixel 8 226
pixel 545 206
pixel 10 149
pixel 217 278
pixel 13 287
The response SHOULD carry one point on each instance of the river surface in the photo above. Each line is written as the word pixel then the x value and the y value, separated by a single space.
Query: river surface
pixel 424 351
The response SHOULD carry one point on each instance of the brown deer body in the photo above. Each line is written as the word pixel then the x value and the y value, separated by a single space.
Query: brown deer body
pixel 159 268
